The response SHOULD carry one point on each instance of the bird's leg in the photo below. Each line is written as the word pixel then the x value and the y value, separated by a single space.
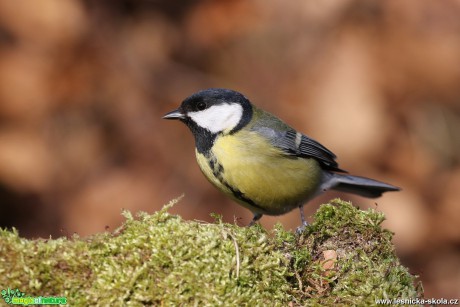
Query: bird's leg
pixel 302 218
pixel 256 217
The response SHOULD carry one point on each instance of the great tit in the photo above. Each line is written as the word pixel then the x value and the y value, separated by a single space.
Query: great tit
pixel 258 160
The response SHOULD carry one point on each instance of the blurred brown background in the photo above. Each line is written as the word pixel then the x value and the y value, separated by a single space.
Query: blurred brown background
pixel 83 86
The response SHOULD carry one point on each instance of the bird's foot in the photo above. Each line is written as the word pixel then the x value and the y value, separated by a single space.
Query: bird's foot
pixel 301 228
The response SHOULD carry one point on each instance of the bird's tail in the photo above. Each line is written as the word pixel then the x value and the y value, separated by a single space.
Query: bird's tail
pixel 357 185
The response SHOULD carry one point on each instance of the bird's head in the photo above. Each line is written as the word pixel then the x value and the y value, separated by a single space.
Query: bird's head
pixel 213 111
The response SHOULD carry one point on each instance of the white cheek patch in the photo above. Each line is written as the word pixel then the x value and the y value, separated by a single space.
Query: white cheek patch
pixel 218 118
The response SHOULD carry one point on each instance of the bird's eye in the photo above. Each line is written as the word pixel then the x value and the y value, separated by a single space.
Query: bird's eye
pixel 201 105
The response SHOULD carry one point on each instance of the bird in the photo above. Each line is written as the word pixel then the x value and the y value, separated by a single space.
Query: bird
pixel 258 160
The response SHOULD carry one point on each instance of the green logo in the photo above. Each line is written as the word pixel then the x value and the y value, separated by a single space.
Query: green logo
pixel 16 297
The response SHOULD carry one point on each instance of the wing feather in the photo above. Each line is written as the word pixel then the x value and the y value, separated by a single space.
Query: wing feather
pixel 294 143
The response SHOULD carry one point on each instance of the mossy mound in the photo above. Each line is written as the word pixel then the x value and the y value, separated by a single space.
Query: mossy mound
pixel 343 258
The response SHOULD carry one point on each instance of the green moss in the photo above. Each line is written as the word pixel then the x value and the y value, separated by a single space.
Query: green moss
pixel 160 259
pixel 366 266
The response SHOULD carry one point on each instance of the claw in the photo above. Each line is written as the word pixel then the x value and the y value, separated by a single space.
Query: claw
pixel 301 228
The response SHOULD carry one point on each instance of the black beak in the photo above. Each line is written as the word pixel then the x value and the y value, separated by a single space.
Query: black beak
pixel 176 114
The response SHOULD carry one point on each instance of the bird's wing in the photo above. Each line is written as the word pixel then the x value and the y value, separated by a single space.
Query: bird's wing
pixel 296 144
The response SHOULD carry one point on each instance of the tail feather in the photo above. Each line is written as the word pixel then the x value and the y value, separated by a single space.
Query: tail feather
pixel 357 185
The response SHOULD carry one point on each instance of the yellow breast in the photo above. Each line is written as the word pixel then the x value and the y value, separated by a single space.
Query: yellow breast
pixel 273 182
